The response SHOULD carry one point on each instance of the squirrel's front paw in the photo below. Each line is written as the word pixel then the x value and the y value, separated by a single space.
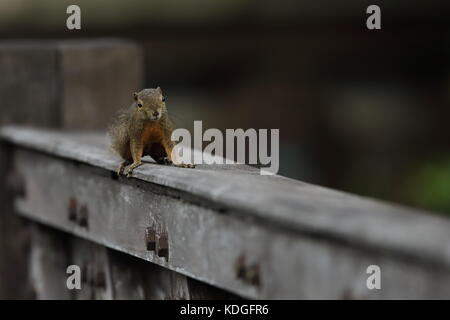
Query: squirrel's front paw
pixel 119 170
pixel 129 173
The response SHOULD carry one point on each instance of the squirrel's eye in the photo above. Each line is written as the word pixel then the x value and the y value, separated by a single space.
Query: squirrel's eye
pixel 163 99
pixel 140 105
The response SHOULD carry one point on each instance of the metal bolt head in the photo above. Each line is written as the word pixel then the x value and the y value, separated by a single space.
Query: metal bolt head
pixel 162 245
pixel 252 275
pixel 83 216
pixel 72 209
pixel 150 239
pixel 248 274
pixel 240 267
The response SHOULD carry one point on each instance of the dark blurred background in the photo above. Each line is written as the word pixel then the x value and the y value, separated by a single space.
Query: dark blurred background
pixel 358 110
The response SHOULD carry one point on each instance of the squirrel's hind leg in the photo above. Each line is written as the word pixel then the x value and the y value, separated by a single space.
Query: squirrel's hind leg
pixel 158 153
pixel 133 166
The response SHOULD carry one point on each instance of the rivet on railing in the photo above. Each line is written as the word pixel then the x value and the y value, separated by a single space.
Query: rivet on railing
pixel 150 238
pixel 157 240
pixel 248 274
pixel 72 209
pixel 83 216
pixel 253 275
pixel 162 245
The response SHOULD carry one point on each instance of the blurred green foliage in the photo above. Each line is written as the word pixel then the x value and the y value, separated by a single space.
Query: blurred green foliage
pixel 429 186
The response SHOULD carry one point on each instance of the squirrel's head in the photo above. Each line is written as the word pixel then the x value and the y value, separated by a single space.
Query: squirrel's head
pixel 150 104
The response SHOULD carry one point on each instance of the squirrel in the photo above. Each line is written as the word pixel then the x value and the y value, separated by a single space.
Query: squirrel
pixel 143 129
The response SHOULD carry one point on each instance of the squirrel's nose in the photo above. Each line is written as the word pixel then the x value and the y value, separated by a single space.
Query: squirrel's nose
pixel 155 114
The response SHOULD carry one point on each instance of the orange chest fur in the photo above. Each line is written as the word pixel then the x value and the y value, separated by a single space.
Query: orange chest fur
pixel 152 133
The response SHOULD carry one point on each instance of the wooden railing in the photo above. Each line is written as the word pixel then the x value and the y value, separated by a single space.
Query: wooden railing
pixel 216 231
pixel 255 236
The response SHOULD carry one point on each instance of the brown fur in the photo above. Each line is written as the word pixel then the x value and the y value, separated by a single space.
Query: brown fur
pixel 138 132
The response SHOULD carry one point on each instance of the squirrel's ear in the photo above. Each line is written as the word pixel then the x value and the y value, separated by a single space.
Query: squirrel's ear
pixel 159 90
pixel 135 95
